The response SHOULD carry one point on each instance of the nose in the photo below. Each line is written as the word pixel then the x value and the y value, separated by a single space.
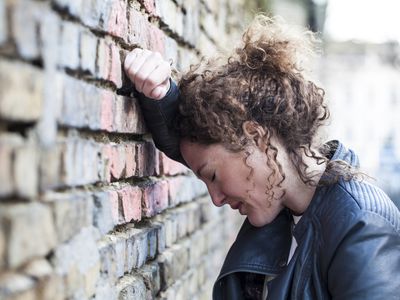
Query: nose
pixel 217 196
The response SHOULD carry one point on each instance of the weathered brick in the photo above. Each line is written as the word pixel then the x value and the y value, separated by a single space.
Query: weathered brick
pixel 103 217
pixel 79 161
pixel 130 165
pixel 115 73
pixel 113 18
pixel 183 189
pixel 171 167
pixel 128 117
pixel 131 197
pixel 205 45
pixel 12 283
pixel 151 276
pixel 30 232
pixel 159 228
pixel 8 142
pixel 50 167
pixel 105 291
pixel 90 12
pixel 173 263
pixel 2 249
pixel 20 102
pixel 26 170
pixel 88 48
pixel 71 212
pixel 191 25
pixel 155 198
pixel 138 29
pixel 156 40
pixel 131 287
pixel 108 63
pixel 147 161
pixel 171 15
pixel 149 6
pixel 79 262
pixel 25 16
pixel 69 47
pixel 171 51
pixel 73 7
pixel 137 247
pixel 3 23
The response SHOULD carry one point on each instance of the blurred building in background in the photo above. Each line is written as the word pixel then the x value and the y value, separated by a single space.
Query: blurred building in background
pixel 360 72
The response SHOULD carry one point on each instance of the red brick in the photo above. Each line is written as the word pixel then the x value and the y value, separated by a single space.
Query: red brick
pixel 107 110
pixel 147 162
pixel 108 63
pixel 131 198
pixel 130 160
pixel 128 117
pixel 114 19
pixel 156 40
pixel 115 73
pixel 114 158
pixel 171 167
pixel 155 198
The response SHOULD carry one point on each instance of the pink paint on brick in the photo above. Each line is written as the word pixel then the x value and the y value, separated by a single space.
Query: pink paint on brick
pixel 171 167
pixel 155 198
pixel 117 24
pixel 115 72
pixel 149 6
pixel 130 165
pixel 117 161
pixel 107 110
pixel 131 198
pixel 156 40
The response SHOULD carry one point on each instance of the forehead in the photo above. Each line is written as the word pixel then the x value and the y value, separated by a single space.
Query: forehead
pixel 195 153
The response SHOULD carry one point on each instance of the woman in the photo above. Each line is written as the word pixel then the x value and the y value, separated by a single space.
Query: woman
pixel 249 128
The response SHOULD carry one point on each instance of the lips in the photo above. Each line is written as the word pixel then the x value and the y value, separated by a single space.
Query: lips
pixel 236 206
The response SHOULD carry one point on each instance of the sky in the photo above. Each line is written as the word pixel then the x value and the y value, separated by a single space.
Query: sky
pixel 366 20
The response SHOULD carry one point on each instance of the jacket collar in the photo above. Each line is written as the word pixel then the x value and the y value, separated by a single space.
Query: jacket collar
pixel 248 252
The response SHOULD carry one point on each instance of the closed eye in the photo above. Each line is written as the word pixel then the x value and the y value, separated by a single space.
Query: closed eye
pixel 213 178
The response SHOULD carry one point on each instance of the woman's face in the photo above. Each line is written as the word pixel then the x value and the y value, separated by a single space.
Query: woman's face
pixel 229 179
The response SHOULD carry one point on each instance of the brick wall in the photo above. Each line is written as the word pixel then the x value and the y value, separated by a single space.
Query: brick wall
pixel 89 209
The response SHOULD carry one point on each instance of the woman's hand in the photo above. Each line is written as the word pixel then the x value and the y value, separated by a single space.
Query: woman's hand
pixel 149 72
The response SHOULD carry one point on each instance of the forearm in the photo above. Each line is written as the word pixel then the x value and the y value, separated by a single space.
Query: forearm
pixel 158 115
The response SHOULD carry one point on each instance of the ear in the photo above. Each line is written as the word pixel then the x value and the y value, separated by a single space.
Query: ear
pixel 255 132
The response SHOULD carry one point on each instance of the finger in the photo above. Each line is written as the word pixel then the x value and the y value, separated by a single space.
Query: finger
pixel 131 57
pixel 160 75
pixel 152 63
pixel 137 64
pixel 159 92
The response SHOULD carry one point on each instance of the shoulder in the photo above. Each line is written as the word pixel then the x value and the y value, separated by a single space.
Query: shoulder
pixel 348 205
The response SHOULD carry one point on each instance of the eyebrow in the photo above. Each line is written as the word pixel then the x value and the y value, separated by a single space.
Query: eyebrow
pixel 198 172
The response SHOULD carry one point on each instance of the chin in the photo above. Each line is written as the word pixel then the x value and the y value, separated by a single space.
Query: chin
pixel 257 221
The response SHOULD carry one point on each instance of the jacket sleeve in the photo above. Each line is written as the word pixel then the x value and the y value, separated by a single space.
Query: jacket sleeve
pixel 366 265
pixel 158 115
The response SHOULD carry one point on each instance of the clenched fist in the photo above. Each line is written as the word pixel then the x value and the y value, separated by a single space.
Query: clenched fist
pixel 149 72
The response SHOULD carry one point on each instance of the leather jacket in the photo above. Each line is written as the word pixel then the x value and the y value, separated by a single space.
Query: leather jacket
pixel 348 238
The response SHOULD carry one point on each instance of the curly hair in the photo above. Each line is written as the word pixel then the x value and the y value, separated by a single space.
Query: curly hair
pixel 262 81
